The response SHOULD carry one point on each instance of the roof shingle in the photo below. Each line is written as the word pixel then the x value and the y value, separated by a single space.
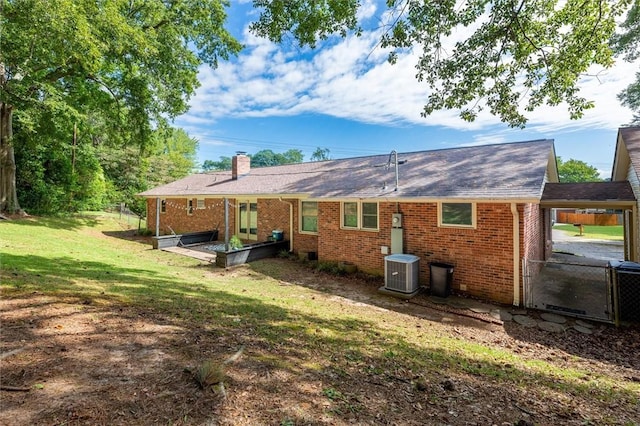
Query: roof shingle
pixel 500 171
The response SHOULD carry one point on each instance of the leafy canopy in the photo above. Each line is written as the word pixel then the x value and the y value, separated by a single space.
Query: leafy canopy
pixel 508 56
pixel 139 58
pixel 576 171
pixel 627 43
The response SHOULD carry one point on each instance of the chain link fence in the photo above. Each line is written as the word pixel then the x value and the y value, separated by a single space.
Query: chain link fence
pixel 571 288
pixel 606 292
pixel 127 216
pixel 625 283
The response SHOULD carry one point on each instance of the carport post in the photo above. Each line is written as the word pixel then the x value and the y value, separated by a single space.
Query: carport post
pixel 226 224
pixel 157 216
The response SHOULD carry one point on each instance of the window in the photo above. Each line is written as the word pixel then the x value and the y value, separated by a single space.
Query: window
pixel 309 213
pixel 370 215
pixel 189 206
pixel 350 215
pixel 200 204
pixel 163 206
pixel 457 214
pixel 360 215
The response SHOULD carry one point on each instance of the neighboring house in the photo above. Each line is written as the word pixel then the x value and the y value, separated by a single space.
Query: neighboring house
pixel 626 168
pixel 476 208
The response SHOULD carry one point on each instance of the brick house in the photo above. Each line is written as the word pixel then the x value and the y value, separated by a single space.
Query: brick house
pixel 626 168
pixel 476 208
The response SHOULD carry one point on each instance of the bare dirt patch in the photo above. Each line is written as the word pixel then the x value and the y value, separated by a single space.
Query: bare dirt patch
pixel 69 360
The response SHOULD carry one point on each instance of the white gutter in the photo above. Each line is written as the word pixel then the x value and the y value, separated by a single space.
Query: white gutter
pixel 516 254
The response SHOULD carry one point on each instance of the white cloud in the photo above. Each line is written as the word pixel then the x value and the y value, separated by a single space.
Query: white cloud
pixel 350 78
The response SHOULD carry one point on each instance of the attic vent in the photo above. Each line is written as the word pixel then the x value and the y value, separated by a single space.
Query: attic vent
pixel 401 273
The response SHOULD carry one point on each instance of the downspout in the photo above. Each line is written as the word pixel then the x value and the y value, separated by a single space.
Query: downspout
pixel 290 222
pixel 516 254
pixel 157 216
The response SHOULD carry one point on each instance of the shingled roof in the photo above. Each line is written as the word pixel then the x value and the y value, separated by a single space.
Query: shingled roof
pixel 588 194
pixel 500 171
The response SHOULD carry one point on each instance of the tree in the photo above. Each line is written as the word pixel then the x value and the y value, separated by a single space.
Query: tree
pixel 223 164
pixel 135 60
pixel 577 171
pixel 267 157
pixel 518 56
pixel 320 154
pixel 626 43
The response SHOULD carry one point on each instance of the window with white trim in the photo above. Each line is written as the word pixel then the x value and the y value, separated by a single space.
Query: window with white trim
pixel 200 204
pixel 190 206
pixel 359 215
pixel 163 206
pixel 309 216
pixel 457 214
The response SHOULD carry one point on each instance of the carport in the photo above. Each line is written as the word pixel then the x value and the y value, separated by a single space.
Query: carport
pixel 579 285
pixel 597 195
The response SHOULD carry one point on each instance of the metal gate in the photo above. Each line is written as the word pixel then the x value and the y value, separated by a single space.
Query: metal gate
pixel 568 288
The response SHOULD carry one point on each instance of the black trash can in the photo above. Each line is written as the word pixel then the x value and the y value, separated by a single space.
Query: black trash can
pixel 627 276
pixel 440 279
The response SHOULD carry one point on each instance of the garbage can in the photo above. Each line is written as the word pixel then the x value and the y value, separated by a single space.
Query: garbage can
pixel 440 278
pixel 277 235
pixel 626 278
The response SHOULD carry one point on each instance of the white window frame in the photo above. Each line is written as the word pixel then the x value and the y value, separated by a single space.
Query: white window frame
pixel 301 217
pixel 360 215
pixel 163 205
pixel 473 224
pixel 190 206
pixel 200 204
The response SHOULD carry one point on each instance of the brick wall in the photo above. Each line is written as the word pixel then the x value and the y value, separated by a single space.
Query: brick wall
pixel 177 218
pixel 482 257
pixel 273 214
pixel 536 243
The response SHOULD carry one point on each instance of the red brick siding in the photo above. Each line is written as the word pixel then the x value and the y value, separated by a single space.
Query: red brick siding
pixel 176 217
pixel 536 243
pixel 273 214
pixel 482 257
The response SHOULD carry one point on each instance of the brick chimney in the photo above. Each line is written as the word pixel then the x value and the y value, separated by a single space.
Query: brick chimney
pixel 240 165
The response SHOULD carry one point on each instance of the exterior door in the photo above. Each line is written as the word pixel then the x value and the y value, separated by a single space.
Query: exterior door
pixel 248 220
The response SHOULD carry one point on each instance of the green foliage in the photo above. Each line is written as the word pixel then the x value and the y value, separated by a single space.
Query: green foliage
pixel 627 43
pixel 577 171
pixel 308 21
pixel 266 158
pixel 320 154
pixel 223 164
pixel 116 69
pixel 235 243
pixel 333 268
pixel 263 158
pixel 517 56
pixel 612 232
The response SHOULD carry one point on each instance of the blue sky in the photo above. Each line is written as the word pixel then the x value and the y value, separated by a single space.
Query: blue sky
pixel 344 96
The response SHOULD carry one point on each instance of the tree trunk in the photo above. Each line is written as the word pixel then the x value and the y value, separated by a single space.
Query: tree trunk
pixel 8 195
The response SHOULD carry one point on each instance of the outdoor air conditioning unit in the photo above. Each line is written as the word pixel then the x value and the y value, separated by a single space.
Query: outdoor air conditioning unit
pixel 401 273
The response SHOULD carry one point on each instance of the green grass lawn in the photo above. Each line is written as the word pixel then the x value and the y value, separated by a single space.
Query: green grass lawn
pixel 593 231
pixel 303 327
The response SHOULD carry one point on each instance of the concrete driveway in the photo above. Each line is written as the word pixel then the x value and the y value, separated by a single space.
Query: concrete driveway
pixel 575 244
